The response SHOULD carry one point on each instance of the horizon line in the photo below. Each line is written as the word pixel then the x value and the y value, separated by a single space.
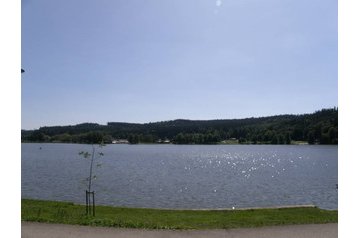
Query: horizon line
pixel 142 123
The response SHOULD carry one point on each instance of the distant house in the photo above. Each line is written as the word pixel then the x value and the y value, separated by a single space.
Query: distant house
pixel 166 141
pixel 120 141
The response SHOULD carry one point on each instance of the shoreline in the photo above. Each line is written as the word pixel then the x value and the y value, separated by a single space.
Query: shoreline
pixel 148 218
pixel 195 209
pixel 292 144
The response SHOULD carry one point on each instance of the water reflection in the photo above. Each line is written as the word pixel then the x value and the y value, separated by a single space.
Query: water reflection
pixel 173 176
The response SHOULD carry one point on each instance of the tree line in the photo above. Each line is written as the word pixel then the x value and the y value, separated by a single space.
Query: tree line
pixel 320 127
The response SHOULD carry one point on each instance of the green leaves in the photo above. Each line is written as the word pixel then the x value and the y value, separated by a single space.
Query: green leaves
pixel 93 157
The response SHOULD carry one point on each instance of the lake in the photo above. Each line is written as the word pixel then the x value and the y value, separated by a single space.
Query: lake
pixel 185 176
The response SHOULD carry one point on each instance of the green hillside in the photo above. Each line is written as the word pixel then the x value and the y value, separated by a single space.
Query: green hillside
pixel 320 127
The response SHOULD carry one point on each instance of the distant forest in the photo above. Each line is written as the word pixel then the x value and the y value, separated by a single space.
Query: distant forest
pixel 320 127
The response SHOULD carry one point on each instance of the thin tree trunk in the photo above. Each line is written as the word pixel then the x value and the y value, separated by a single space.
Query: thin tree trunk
pixel 90 177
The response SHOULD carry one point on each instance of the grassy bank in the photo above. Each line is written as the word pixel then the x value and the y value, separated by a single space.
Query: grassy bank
pixel 69 213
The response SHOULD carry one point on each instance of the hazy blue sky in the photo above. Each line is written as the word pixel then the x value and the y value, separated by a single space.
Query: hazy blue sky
pixel 155 60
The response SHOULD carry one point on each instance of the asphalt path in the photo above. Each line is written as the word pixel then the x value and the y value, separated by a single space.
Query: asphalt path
pixel 43 230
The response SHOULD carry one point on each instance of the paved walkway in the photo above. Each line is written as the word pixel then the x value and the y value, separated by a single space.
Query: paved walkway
pixel 42 230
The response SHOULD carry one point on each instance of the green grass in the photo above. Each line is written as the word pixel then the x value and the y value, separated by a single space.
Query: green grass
pixel 69 213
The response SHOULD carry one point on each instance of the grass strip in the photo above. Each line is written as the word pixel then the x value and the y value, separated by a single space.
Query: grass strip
pixel 69 213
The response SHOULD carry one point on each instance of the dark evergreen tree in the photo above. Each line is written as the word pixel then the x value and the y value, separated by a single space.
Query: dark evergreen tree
pixel 318 127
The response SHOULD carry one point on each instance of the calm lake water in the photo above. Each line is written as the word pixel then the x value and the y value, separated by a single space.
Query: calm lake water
pixel 185 176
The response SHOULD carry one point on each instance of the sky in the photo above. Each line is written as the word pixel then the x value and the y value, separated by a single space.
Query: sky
pixel 155 60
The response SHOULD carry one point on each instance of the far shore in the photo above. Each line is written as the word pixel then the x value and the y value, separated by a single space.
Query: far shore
pixel 220 143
